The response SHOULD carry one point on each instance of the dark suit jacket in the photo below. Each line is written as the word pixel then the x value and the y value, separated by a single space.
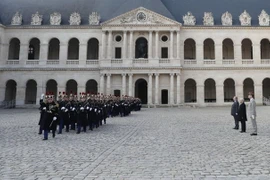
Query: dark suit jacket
pixel 242 113
pixel 234 110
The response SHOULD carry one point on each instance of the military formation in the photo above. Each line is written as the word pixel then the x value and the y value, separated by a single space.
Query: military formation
pixel 81 113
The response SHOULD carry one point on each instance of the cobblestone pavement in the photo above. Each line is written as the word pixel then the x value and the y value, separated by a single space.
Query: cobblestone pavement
pixel 177 143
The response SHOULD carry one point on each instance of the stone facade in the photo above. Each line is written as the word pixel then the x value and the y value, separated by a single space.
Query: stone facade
pixel 140 53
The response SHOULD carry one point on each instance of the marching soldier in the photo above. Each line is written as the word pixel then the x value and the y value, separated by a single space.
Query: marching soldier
pixel 82 114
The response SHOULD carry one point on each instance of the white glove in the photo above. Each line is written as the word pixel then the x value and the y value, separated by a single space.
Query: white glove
pixel 253 117
pixel 90 109
pixel 87 107
pixel 99 111
pixel 73 109
pixel 54 118
pixel 63 108
pixel 104 105
pixel 236 114
pixel 95 110
pixel 44 108
pixel 81 108
pixel 42 96
pixel 66 110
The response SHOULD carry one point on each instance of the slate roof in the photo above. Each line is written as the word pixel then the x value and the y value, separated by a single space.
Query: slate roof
pixel 108 9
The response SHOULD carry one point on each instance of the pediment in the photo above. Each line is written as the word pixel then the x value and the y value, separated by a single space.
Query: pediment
pixel 140 16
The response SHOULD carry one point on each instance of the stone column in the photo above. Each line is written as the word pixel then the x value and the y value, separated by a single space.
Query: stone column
pixel 150 45
pixel 2 92
pixel 157 45
pixel 23 53
pixel 125 45
pixel 44 53
pixel 171 44
pixel 108 91
pixel 41 90
pixel 218 53
pixel 109 50
pixel 150 89
pixel 178 44
pixel 220 94
pixel 63 53
pixel 238 53
pixel 257 53
pixel 157 89
pixel 20 95
pixel 239 90
pixel 258 93
pixel 199 53
pixel 130 82
pixel 4 50
pixel 103 50
pixel 82 54
pixel 200 95
pixel 172 89
pixel 124 84
pixel 81 89
pixel 101 84
pixel 178 88
pixel 131 45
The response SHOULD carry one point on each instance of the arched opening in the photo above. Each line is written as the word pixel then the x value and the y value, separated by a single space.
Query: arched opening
pixel 71 87
pixel 229 90
pixel 210 91
pixel 266 88
pixel 190 49
pixel 51 86
pixel 92 86
pixel 141 48
pixel 141 90
pixel 73 49
pixel 93 49
pixel 209 49
pixel 265 49
pixel 11 89
pixel 14 49
pixel 190 91
pixel 34 49
pixel 247 51
pixel 54 49
pixel 248 87
pixel 31 92
pixel 228 49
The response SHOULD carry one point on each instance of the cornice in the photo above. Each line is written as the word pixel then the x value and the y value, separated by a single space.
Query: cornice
pixel 53 27
pixel 226 27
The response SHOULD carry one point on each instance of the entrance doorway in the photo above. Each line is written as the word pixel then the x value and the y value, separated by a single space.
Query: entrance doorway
pixel 141 90
pixel 164 96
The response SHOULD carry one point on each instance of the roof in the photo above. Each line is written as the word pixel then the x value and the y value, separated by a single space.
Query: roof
pixel 108 9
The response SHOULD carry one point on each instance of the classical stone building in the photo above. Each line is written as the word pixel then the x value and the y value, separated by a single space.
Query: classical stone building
pixel 162 51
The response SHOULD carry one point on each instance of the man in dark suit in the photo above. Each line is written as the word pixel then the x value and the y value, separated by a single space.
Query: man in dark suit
pixel 242 115
pixel 234 112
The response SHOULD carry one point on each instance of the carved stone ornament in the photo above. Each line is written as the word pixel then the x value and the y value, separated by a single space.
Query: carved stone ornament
pixel 94 18
pixel 226 19
pixel 189 19
pixel 55 19
pixel 16 19
pixel 245 19
pixel 75 19
pixel 36 19
pixel 264 19
pixel 208 19
pixel 140 17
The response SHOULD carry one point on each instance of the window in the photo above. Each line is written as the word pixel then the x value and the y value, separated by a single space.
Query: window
pixel 118 53
pixel 118 38
pixel 31 52
pixel 164 38
pixel 164 52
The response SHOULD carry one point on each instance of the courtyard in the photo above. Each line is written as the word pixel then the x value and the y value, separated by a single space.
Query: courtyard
pixel 162 143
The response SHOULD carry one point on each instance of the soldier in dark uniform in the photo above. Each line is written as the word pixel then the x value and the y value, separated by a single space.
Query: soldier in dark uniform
pixel 50 119
pixel 82 114
pixel 72 111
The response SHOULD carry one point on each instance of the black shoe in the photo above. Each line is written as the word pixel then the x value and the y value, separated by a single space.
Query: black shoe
pixel 39 133
pixel 44 139
pixel 242 131
pixel 77 132
pixel 53 135
pixel 253 134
